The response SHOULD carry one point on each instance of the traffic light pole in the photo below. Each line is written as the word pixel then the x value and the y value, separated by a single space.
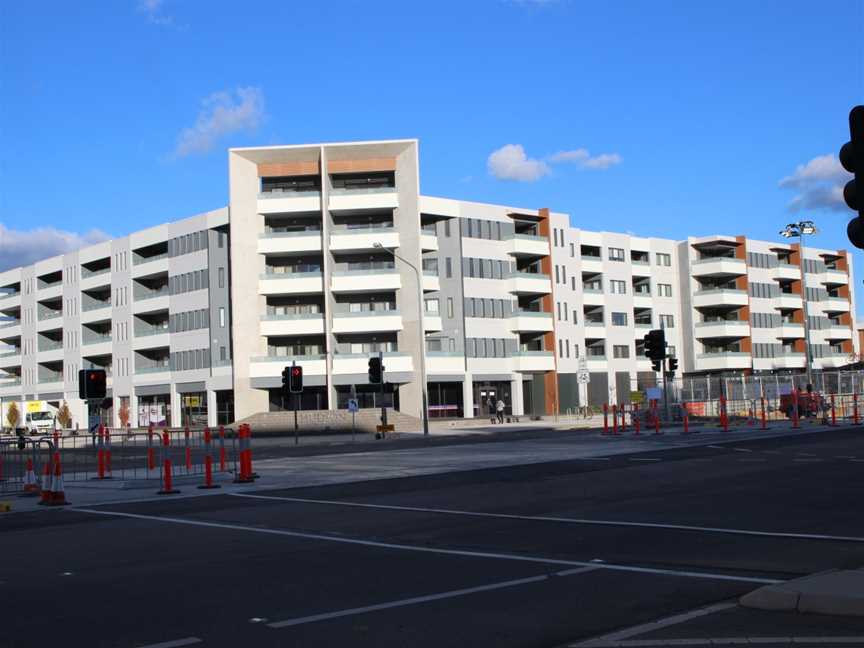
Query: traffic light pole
pixel 383 382
pixel 294 403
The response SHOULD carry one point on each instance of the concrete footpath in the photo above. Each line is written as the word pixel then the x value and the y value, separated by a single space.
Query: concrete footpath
pixel 839 592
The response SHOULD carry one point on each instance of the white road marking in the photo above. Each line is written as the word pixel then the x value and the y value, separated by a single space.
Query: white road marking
pixel 547 518
pixel 594 459
pixel 741 450
pixel 716 447
pixel 431 550
pixel 176 643
pixel 644 459
pixel 326 616
pixel 613 638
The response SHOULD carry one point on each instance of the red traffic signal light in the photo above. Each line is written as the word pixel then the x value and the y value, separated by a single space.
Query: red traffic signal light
pixel 92 384
pixel 296 386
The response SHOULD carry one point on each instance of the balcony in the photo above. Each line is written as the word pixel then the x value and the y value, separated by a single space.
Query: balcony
pixel 10 299
pixel 723 361
pixel 527 245
pixel 833 361
pixel 287 202
pixel 296 283
pixel 722 329
pixel 428 241
pixel 533 361
pixel 531 322
pixel 836 305
pixel 592 264
pixel 787 271
pixel 358 364
pixel 835 277
pixel 289 242
pixel 152 373
pixel 642 300
pixel 156 339
pixel 272 366
pixel 718 267
pixel 10 358
pixel 788 360
pixel 363 239
pixel 372 280
pixel 95 344
pixel 92 279
pixel 367 322
pixel 431 281
pixel 363 198
pixel 9 384
pixel 152 265
pixel 50 291
pixel 595 330
pixel 838 332
pixel 787 301
pixel 530 283
pixel 432 322
pixel 10 329
pixel 791 330
pixel 292 324
pixel 720 297
pixel 593 296
pixel 445 362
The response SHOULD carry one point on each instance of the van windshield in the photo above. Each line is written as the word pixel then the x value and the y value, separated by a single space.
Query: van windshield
pixel 41 416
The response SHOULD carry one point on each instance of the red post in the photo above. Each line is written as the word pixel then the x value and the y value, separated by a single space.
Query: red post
pixel 100 454
pixel 107 437
pixel 188 449
pixel 656 419
pixel 56 439
pixel 762 405
pixel 855 407
pixel 208 462
pixel 623 420
pixel 833 412
pixel 605 418
pixel 614 419
pixel 686 416
pixel 794 408
pixel 222 458
pixel 167 485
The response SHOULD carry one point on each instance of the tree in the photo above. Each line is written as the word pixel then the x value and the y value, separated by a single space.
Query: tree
pixel 64 416
pixel 12 415
pixel 124 413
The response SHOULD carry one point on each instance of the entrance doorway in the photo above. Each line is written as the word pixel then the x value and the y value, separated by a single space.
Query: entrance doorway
pixel 494 390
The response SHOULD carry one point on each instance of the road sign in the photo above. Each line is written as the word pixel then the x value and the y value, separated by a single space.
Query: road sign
pixel 635 397
pixel 583 377
pixel 654 393
pixel 353 406
pixel 93 422
pixel 385 428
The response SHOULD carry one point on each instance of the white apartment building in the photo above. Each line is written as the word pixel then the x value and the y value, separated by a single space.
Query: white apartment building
pixel 328 254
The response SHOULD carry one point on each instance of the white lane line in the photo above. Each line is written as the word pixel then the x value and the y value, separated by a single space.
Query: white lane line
pixel 564 520
pixel 432 550
pixel 644 459
pixel 741 450
pixel 188 641
pixel 594 459
pixel 326 616
pixel 613 638
pixel 716 447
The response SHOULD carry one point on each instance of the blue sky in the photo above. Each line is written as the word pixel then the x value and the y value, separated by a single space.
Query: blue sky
pixel 673 118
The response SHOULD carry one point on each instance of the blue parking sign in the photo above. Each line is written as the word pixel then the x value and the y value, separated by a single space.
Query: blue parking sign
pixel 352 405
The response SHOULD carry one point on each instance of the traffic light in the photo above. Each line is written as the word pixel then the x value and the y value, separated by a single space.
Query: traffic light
pixel 376 369
pixel 673 365
pixel 296 380
pixel 286 379
pixel 852 159
pixel 655 345
pixel 91 384
pixel 657 365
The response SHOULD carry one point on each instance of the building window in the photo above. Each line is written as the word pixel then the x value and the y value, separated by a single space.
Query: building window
pixel 560 348
pixel 572 251
pixel 616 254
pixel 617 287
pixel 450 307
pixel 664 290
pixel 619 319
pixel 432 306
pixel 221 277
pixel 664 259
pixel 564 275
pixel 567 346
pixel 667 322
pixel 448 266
pixel 447 228
pixel 222 316
pixel 621 351
pixel 557 275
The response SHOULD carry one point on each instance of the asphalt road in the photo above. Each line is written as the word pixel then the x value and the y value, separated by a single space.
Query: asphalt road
pixel 540 555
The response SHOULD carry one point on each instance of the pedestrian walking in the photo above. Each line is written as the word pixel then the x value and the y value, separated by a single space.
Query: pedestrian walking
pixel 490 408
pixel 500 409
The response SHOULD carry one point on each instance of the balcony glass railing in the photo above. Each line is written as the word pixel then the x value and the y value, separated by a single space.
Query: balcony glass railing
pixel 141 293
pixel 525 237
pixel 367 271
pixel 275 317
pixel 9 323
pixel 50 378
pixel 287 358
pixel 531 353
pixel 86 274
pixel 47 314
pixel 9 295
pixel 364 228
pixel 96 339
pixel 280 193
pixel 377 313
pixel 9 354
pixel 10 382
pixel 277 233
pixel 521 274
pixel 95 305
pixel 139 260
pixel 49 345
pixel 530 313
pixel 338 191
pixel 152 369
pixel 151 330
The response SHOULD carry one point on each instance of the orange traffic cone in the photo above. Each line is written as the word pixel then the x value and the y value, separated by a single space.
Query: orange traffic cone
pixel 58 492
pixel 31 484
pixel 47 483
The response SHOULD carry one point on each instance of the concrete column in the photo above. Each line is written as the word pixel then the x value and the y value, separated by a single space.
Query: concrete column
pixel 468 396
pixel 175 409
pixel 211 408
pixel 133 410
pixel 518 403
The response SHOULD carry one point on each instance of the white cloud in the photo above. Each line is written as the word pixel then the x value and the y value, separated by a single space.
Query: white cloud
pixel 583 159
pixel 819 184
pixel 152 9
pixel 221 113
pixel 511 163
pixel 22 247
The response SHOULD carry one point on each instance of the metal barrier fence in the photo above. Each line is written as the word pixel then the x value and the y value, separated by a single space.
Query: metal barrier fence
pixel 161 455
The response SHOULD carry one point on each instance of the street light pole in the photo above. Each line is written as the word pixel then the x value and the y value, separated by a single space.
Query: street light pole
pixel 800 229
pixel 422 331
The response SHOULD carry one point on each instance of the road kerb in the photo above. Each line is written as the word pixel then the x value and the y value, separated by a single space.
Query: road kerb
pixel 835 592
